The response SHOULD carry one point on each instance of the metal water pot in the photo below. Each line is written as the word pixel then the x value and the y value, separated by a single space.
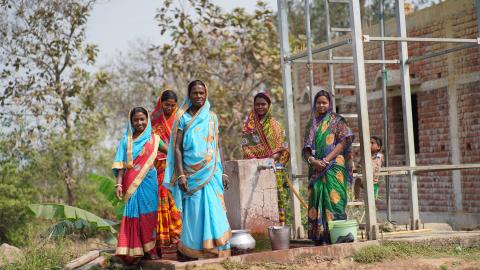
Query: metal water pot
pixel 242 242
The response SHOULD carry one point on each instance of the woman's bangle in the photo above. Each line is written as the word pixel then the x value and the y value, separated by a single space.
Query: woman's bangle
pixel 179 177
pixel 118 185
pixel 324 160
pixel 308 159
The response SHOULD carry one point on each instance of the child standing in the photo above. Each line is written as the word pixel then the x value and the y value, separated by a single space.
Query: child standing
pixel 377 163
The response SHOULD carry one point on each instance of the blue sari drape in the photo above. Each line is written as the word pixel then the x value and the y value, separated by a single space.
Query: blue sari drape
pixel 205 229
pixel 140 188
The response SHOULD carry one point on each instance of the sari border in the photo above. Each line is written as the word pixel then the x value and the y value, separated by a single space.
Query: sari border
pixel 173 137
pixel 133 252
pixel 119 165
pixel 141 175
pixel 221 241
pixel 204 253
pixel 190 193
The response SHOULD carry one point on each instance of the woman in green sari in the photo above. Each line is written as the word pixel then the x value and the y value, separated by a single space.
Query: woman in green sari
pixel 326 146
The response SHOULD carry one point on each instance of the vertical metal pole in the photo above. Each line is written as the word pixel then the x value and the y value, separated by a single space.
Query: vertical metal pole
pixel 385 109
pixel 288 103
pixel 309 48
pixel 331 74
pixel 362 111
pixel 407 115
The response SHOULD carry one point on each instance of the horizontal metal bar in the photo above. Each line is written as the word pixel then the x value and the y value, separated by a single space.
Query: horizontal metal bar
pixel 356 144
pixel 342 57
pixel 345 86
pixel 340 29
pixel 386 61
pixel 346 61
pixel 339 1
pixel 355 175
pixel 318 50
pixel 355 203
pixel 432 168
pixel 349 115
pixel 367 38
pixel 434 54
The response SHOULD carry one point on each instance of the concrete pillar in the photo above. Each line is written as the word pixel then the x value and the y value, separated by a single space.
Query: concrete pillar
pixel 251 200
pixel 453 120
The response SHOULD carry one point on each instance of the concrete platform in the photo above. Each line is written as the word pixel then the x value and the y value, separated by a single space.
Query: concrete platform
pixel 338 250
pixel 427 236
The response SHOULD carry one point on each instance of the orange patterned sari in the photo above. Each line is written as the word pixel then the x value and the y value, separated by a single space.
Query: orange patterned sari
pixel 169 224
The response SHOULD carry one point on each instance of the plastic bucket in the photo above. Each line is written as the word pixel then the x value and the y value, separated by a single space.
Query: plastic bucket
pixel 279 237
pixel 343 231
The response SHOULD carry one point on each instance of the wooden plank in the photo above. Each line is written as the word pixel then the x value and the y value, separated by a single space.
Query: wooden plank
pixel 90 256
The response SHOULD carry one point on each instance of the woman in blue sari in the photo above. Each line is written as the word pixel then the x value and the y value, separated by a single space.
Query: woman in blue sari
pixel 137 185
pixel 194 175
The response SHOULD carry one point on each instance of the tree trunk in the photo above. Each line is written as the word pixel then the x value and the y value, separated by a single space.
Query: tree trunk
pixel 68 166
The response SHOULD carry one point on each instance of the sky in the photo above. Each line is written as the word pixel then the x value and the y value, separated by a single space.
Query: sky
pixel 115 24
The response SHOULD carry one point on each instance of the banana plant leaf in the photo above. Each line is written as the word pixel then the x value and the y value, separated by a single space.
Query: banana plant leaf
pixel 106 186
pixel 53 211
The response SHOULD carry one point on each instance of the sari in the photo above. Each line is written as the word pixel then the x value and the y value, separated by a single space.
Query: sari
pixel 169 222
pixel 263 138
pixel 327 190
pixel 136 156
pixel 205 229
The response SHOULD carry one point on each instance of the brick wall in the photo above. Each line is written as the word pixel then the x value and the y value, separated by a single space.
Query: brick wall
pixel 452 18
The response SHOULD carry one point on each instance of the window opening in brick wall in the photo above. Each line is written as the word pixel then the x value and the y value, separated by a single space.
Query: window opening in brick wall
pixel 415 123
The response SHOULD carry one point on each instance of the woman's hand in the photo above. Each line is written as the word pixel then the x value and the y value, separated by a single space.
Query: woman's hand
pixel 183 183
pixel 119 192
pixel 225 181
pixel 319 165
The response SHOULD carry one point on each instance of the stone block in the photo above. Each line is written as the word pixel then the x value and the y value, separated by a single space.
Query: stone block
pixel 251 200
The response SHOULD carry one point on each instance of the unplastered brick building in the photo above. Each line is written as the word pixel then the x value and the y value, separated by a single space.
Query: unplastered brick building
pixel 445 108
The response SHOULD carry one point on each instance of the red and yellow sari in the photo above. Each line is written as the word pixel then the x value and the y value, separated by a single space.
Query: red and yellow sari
pixel 169 224
pixel 264 138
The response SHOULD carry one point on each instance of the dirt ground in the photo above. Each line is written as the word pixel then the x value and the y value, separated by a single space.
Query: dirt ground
pixel 319 262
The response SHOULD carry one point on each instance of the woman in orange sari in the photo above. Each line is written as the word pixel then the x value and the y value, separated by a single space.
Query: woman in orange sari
pixel 169 225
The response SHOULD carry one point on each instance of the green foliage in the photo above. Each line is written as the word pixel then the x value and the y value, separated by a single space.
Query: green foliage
pixel 106 186
pixel 45 81
pixel 236 53
pixel 372 254
pixel 16 190
pixel 77 216
pixel 45 255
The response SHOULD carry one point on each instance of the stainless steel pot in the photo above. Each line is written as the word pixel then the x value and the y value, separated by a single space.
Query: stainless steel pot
pixel 242 242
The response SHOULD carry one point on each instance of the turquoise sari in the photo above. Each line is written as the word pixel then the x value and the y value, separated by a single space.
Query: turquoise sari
pixel 138 227
pixel 205 231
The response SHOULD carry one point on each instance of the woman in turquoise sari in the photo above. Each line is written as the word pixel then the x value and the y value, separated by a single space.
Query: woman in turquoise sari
pixel 137 185
pixel 326 148
pixel 194 175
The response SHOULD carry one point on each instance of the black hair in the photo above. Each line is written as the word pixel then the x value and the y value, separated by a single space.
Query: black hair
pixel 377 140
pixel 194 83
pixel 322 93
pixel 168 94
pixel 264 96
pixel 138 109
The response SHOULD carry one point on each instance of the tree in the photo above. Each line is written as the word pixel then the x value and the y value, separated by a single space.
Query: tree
pixel 45 62
pixel 235 53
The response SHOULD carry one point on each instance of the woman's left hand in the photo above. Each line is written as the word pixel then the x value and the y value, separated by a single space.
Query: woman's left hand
pixel 225 181
pixel 319 165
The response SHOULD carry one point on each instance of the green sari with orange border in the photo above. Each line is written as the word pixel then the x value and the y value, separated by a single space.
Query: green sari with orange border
pixel 327 190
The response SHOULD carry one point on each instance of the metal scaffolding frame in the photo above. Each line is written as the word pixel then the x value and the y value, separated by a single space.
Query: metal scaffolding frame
pixel 356 41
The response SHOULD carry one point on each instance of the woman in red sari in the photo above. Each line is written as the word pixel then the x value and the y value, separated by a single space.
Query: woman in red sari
pixel 169 224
